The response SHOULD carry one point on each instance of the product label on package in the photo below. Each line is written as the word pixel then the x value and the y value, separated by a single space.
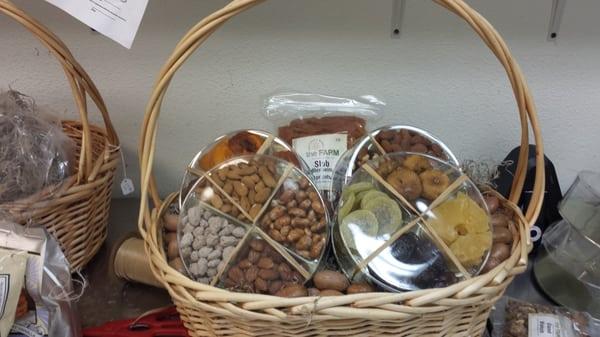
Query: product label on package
pixel 321 153
pixel 547 325
pixel 117 19
pixel 4 288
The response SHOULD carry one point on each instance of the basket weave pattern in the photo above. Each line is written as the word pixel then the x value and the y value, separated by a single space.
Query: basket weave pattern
pixel 75 211
pixel 458 310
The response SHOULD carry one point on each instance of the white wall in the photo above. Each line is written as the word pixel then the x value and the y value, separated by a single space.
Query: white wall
pixel 438 76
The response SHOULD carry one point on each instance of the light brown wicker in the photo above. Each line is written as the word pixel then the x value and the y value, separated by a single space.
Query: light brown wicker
pixel 76 211
pixel 458 310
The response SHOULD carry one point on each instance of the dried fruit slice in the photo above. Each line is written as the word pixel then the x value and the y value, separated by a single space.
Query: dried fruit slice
pixel 358 224
pixel 459 216
pixel 347 206
pixel 359 187
pixel 417 163
pixel 370 195
pixel 470 249
pixel 360 196
pixel 406 182
pixel 435 182
pixel 387 212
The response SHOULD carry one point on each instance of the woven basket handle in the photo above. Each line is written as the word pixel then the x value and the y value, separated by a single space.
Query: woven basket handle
pixel 201 31
pixel 81 85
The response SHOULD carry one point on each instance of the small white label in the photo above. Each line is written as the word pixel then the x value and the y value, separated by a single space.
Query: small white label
pixel 127 186
pixel 321 153
pixel 546 325
pixel 117 19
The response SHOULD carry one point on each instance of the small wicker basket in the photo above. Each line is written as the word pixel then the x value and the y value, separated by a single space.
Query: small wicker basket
pixel 458 310
pixel 75 211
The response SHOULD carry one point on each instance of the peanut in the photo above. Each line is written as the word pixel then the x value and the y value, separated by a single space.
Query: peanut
pixel 304 243
pixel 300 222
pixel 295 235
pixel 276 235
pixel 287 196
pixel 317 248
pixel 283 221
pixel 298 212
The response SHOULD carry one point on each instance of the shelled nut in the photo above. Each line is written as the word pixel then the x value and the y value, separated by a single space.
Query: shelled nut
pixel 297 219
pixel 261 270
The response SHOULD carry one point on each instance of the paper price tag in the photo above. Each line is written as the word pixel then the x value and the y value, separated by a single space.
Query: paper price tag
pixel 127 186
pixel 116 19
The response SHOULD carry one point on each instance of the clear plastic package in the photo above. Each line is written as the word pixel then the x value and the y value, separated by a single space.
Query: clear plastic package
pixel 245 199
pixel 410 221
pixel 574 253
pixel 34 150
pixel 387 139
pixel 515 318
pixel 321 128
pixel 48 283
pixel 581 205
pixel 238 143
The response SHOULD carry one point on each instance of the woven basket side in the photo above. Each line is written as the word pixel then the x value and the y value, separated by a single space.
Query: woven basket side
pixel 75 211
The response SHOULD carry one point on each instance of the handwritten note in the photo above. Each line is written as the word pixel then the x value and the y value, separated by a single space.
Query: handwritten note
pixel 117 19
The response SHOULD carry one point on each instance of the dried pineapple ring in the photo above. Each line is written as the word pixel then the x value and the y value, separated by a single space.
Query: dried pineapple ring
pixel 469 249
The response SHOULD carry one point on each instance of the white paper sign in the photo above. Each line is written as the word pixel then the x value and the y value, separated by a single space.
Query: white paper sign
pixel 117 19
pixel 321 153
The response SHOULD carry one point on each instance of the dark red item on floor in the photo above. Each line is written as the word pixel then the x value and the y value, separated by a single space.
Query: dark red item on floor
pixel 165 323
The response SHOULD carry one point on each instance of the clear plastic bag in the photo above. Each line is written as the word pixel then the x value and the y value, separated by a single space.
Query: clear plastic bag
pixel 575 253
pixel 321 127
pixel 34 150
pixel 48 283
pixel 514 318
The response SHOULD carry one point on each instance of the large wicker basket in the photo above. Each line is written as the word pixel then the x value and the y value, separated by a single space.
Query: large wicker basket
pixel 76 211
pixel 458 310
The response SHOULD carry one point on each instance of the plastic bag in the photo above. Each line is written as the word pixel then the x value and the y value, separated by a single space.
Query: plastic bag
pixel 515 318
pixel 48 283
pixel 321 128
pixel 34 150
pixel 575 253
